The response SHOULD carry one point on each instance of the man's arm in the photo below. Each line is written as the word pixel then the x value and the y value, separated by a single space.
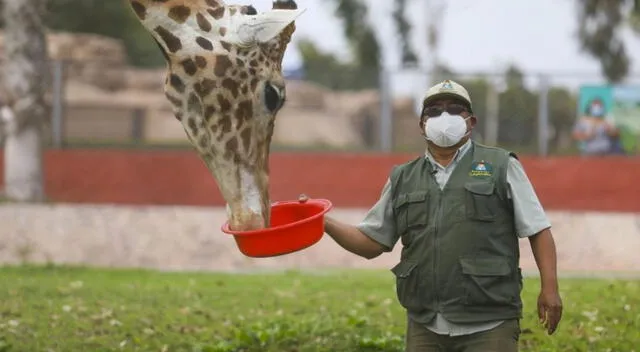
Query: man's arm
pixel 549 301
pixel 374 235
pixel 352 239
pixel 532 223
pixel 544 251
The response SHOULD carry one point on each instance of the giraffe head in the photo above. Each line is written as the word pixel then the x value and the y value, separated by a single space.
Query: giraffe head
pixel 225 84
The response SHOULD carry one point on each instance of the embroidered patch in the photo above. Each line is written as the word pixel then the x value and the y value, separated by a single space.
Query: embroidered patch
pixel 446 85
pixel 481 168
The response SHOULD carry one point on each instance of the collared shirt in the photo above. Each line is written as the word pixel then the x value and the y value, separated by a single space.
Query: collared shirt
pixel 529 217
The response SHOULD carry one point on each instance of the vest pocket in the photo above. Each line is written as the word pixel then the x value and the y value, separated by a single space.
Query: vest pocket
pixel 408 288
pixel 481 203
pixel 488 281
pixel 411 210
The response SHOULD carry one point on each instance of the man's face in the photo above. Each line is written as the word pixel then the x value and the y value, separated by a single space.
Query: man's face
pixel 596 109
pixel 452 106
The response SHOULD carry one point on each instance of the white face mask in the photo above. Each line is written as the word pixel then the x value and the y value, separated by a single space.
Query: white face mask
pixel 597 110
pixel 445 130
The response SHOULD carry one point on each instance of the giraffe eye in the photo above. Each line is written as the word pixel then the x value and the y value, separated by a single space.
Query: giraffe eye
pixel 250 10
pixel 273 99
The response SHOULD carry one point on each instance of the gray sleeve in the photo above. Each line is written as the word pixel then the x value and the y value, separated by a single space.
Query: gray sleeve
pixel 530 217
pixel 379 223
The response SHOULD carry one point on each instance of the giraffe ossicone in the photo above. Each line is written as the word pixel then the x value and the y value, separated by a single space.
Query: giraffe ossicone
pixel 224 81
pixel 260 28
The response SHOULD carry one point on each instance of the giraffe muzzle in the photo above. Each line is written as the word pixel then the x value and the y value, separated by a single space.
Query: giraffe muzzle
pixel 251 210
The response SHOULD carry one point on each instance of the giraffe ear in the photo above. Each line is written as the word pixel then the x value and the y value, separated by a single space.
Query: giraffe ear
pixel 260 28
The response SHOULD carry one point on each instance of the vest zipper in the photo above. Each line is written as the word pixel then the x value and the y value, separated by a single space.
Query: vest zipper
pixel 435 252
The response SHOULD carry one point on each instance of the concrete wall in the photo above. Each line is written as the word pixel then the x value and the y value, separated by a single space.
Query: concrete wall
pixel 189 238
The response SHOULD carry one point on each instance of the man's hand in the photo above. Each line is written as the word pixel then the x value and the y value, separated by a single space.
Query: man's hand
pixel 550 309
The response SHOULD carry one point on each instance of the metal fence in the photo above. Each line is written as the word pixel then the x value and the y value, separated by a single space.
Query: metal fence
pixel 530 113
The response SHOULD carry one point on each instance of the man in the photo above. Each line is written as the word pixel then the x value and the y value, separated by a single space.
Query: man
pixel 458 211
pixel 595 131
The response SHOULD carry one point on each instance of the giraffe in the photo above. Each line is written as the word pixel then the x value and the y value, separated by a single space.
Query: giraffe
pixel 225 85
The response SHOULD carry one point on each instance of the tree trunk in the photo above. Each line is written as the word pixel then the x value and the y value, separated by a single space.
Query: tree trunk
pixel 26 78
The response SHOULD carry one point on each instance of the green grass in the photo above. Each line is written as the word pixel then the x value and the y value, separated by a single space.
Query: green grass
pixel 79 309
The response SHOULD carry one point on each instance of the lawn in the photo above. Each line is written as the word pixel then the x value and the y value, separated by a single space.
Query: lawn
pixel 79 309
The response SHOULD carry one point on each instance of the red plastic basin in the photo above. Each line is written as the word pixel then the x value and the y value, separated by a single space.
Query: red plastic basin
pixel 294 226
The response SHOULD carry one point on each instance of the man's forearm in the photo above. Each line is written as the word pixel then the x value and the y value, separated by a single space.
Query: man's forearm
pixel 544 252
pixel 351 239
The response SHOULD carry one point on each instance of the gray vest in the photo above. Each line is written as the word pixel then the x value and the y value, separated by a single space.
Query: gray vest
pixel 460 253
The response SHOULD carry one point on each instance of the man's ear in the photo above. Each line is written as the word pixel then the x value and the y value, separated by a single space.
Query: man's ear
pixel 421 124
pixel 473 120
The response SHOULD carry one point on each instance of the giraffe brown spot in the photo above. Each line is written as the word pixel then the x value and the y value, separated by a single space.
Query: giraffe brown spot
pixel 193 104
pixel 209 111
pixel 203 23
pixel 178 116
pixel 201 62
pixel 171 41
pixel 179 13
pixel 245 136
pixel 204 87
pixel 213 3
pixel 244 111
pixel 203 142
pixel 222 65
pixel 244 89
pixel 189 66
pixel 254 84
pixel 213 128
pixel 232 147
pixel 204 43
pixel 232 86
pixel 217 13
pixel 223 103
pixel 253 63
pixel 174 100
pixel 139 9
pixel 226 45
pixel 193 127
pixel 225 124
pixel 244 75
pixel 176 83
pixel 239 62
pixel 222 31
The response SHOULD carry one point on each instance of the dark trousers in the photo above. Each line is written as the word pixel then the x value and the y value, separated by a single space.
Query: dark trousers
pixel 503 338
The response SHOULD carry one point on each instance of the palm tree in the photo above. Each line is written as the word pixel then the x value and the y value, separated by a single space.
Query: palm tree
pixel 25 78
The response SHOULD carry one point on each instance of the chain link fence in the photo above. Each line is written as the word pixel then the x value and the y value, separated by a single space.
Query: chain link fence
pixel 525 112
